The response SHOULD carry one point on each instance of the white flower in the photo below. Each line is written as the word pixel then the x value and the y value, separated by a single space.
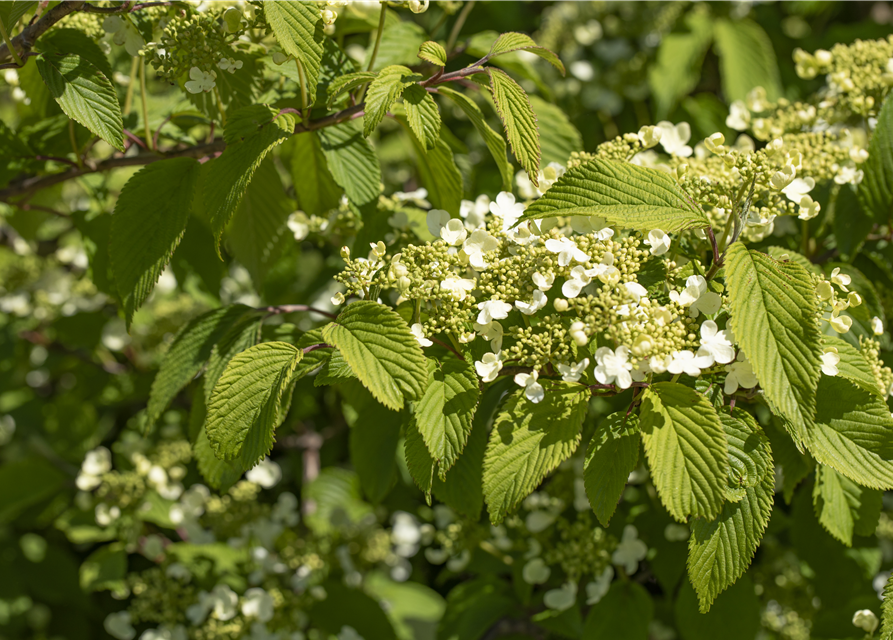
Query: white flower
pixel 694 287
pixel 830 360
pixel 257 603
pixel 630 550
pixel 687 362
pixel 529 308
pixel 329 16
pixel 579 279
pixel 416 197
pixel 506 208
pixel 842 280
pixel 717 343
pixel 418 6
pixel 849 175
pixel 597 589
pixel 877 327
pixel 533 390
pixel 809 208
pixel 562 598
pixel 739 116
pixel 783 178
pixel 419 334
pixel 474 213
pixel 841 324
pixel 299 224
pixel 454 232
pixel 536 571
pixel 858 155
pixel 613 367
pixel 674 138
pixel 479 243
pixel 798 188
pixel 572 372
pixel 707 303
pixel 543 283
pixel 493 310
pixel 865 620
pixel 437 219
pixel 200 81
pixel 714 144
pixel 636 290
pixel 658 241
pixel 96 463
pixel 649 136
pixel 493 332
pixel 459 287
pixel 567 250
pixel 488 367
pixel 740 374
pixel 592 224
pixel 126 33
pixel 228 64
pixel 267 474
pixel 118 625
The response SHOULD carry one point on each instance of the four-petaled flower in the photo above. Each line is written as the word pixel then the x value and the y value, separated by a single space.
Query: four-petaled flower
pixel 658 241
pixel 126 33
pixel 529 308
pixel 533 390
pixel 200 81
pixel 477 244
pixel 493 310
pixel 567 250
pixel 488 367
pixel 674 138
pixel 419 334
pixel 437 219
pixel 613 367
pixel 506 208
pixel 630 550
pixel 543 283
pixel 229 64
pixel 686 361
pixel 454 232
pixel 493 332
pixel 459 287
pixel 740 374
pixel 572 372
pixel 716 345
pixel 830 360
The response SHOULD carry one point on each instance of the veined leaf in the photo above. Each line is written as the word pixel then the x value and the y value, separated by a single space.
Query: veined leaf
pixel 624 194
pixel 720 551
pixel 687 450
pixel 875 192
pixel 85 94
pixel 773 318
pixel 315 186
pixel 530 440
pixel 352 161
pixel 887 611
pixel 558 137
pixel 373 448
pixel 843 507
pixel 12 12
pixel 519 120
pixel 851 433
pixel 150 218
pixel 439 174
pixel 746 59
pixel 434 53
pixel 679 62
pixel 219 474
pixel 383 92
pixel 244 410
pixel 853 366
pixel 346 83
pixel 243 334
pixel 423 115
pixel 72 41
pixel 512 41
pixel 298 27
pixel 379 348
pixel 612 455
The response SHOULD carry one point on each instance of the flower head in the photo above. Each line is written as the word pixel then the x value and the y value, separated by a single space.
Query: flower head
pixel 567 250
pixel 437 219
pixel 718 344
pixel 830 360
pixel 459 287
pixel 740 374
pixel 493 310
pixel 200 81
pixel 229 64
pixel 630 550
pixel 419 334
pixel 866 620
pixel 529 308
pixel 454 232
pixel 126 33
pixel 506 208
pixel 674 138
pixel 533 390
pixel 572 372
pixel 658 241
pixel 488 367
pixel 479 243
pixel 687 362
pixel 613 367
pixel 739 116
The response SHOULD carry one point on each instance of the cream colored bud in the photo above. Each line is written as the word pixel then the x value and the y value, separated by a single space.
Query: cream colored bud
pixel 560 305
pixel 824 290
pixel 329 16
pixel 854 299
pixel 338 298
pixel 345 252
pixel 418 6
pixel 823 57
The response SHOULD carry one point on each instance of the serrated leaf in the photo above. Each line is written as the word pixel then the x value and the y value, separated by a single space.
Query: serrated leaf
pixel 422 114
pixel 438 173
pixel 853 366
pixel 334 370
pixel 518 119
pixel 624 613
pixel 298 27
pixel 512 41
pixel 187 355
pixel 315 188
pixel 843 507
pixel 12 12
pixel 735 615
pixel 379 348
pixel 244 410
pixel 434 53
pixel 418 460
pixel 558 137
pixel 72 41
pixel 624 194
pixel 612 455
pixel 686 448
pixel 85 95
pixel 746 59
pixel 384 90
pixel 795 466
pixel 529 441
pixel 851 433
pixel 346 83
pixel 352 162
pixel 150 217
pixel 445 411
pixel 679 62
pixel 335 64
pixel 875 192
pixel 373 448
pixel 219 474
pixel 314 359
pixel 887 611
pixel 243 333
pixel 773 318
pixel 720 551
pixel 494 141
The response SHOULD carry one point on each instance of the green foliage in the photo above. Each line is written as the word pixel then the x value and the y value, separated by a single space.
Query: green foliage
pixel 373 449
pixel 843 507
pixel 299 30
pixel 623 614
pixel 508 42
pixel 518 119
pixel 875 193
pixel 352 162
pixel 422 114
pixel 315 187
pixel 434 53
pixel 612 455
pixel 383 91
pixel 747 59
pixel 679 60
pixel 347 83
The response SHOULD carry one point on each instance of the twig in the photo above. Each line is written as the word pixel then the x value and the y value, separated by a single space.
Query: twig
pixel 449 347
pixel 457 26
pixel 296 308
pixel 23 42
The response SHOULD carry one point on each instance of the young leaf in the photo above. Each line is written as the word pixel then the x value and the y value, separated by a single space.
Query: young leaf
pixel 423 115
pixel 149 221
pixel 346 83
pixel 624 194
pixel 528 441
pixel 843 507
pixel 612 455
pixel 352 162
pixel 875 192
pixel 434 53
pixel 85 94
pixel 244 410
pixel 445 411
pixel 773 318
pixel 519 120
pixel 315 188
pixel 383 92
pixel 298 27
pixel 379 348
pixel 558 137
pixel 12 12
pixel 511 41
pixel 687 450
pixel 746 59
pixel 373 449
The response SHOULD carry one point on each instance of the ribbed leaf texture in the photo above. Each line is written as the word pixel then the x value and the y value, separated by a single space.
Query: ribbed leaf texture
pixel 72 41
pixel 315 186
pixel 773 318
pixel 85 94
pixel 720 551
pixel 347 82
pixel 851 433
pixel 853 366
pixel 381 351
pixel 519 120
pixel 843 507
pixel 624 194
pixel 558 137
pixel 219 474
pixel 434 53
pixel 352 161
pixel 383 92
pixel 512 41
pixel 746 59
pixel 439 174
pixel 887 611
pixel 875 192
pixel 12 12
pixel 529 441
pixel 244 410
pixel 422 114
pixel 150 218
pixel 244 333
pixel 686 448
pixel 299 28
pixel 612 455
pixel 445 411
pixel 494 140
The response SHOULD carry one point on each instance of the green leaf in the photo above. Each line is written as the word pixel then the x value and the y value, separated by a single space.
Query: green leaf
pixel 383 92
pixel 373 449
pixel 298 27
pixel 228 176
pixel 150 217
pixel 853 366
pixel 612 455
pixel 434 53
pixel 795 466
pixel 519 120
pixel 335 492
pixel 422 114
pixel 773 318
pixel 680 58
pixel 851 224
pixel 27 481
pixel 236 90
pixel 851 433
pixel 686 448
pixel 529 441
pixel 346 607
pixel 418 460
pixel 887 611
pixel 875 192
pixel 439 173
pixel 720 551
pixel 219 474
pixel 494 141
pixel 843 507
pixel 85 95
pixel 746 59
pixel 624 613
pixel 558 137
pixel 105 568
pixel 473 607
pixel 72 41
pixel 244 409
pixel 315 187
pixel 734 616
pixel 334 370
pixel 400 43
pixel 187 355
pixel 352 162
pixel 511 41
pixel 624 194
pixel 346 83
pixel 244 333
pixel 379 348
pixel 445 411
pixel 12 12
